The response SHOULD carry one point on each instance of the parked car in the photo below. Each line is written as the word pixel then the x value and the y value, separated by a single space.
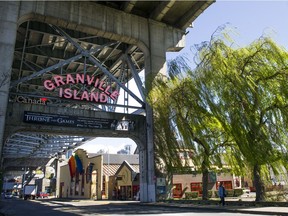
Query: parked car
pixel 42 195
pixel 8 195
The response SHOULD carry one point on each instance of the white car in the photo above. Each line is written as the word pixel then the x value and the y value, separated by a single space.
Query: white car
pixel 8 195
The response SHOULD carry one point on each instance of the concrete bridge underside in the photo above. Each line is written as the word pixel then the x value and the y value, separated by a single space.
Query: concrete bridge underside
pixel 112 41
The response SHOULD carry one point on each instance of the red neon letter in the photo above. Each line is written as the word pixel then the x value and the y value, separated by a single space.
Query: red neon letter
pixel 103 98
pixel 80 78
pixel 75 95
pixel 114 95
pixel 48 84
pixel 94 96
pixel 59 80
pixel 85 95
pixel 89 79
pixel 69 79
pixel 67 93
pixel 101 86
pixel 96 83
pixel 106 90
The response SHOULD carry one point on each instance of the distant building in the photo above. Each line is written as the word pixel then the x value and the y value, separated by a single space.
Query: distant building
pixel 126 150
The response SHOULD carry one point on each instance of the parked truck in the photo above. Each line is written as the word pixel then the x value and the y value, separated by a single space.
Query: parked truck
pixel 29 192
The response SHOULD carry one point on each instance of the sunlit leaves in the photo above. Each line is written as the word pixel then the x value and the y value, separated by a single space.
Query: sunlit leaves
pixel 232 109
pixel 249 82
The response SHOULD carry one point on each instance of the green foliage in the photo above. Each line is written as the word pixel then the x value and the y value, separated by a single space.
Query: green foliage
pixel 238 192
pixel 166 144
pixel 248 98
pixel 210 193
pixel 191 195
pixel 229 192
pixel 231 110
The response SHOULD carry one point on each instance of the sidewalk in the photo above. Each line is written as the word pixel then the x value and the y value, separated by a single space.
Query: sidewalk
pixel 233 204
pixel 260 210
pixel 192 205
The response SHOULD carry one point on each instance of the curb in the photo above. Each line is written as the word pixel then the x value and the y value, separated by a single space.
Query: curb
pixel 232 209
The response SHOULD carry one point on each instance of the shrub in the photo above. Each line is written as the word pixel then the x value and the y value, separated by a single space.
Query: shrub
pixel 229 192
pixel 191 195
pixel 238 192
pixel 210 193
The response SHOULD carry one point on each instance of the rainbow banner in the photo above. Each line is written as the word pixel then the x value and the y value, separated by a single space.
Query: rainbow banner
pixel 79 165
pixel 72 166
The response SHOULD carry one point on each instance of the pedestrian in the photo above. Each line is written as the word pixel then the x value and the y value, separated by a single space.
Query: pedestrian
pixel 222 194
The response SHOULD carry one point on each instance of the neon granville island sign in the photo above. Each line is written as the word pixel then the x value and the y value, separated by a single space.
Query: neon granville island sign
pixel 93 96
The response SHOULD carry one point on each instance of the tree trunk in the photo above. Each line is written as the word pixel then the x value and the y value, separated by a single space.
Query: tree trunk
pixel 205 176
pixel 258 184
pixel 169 191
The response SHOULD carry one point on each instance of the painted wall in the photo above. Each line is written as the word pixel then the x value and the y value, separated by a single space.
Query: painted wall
pixel 91 189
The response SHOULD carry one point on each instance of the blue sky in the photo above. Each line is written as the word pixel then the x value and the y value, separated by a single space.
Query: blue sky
pixel 251 19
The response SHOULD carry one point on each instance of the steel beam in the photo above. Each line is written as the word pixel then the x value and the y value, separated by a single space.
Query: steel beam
pixel 96 62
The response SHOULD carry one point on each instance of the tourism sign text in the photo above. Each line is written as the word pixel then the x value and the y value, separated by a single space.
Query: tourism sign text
pixel 66 120
pixel 77 121
pixel 100 90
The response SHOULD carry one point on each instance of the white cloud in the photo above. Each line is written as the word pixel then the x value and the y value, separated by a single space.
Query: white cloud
pixel 111 145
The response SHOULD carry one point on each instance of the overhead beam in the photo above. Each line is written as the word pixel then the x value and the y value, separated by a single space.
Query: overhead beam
pixel 136 77
pixel 29 136
pixel 97 63
pixel 56 66
pixel 128 6
pixel 23 141
pixel 197 8
pixel 160 11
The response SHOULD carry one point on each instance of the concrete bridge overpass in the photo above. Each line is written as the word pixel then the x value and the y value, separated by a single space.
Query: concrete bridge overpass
pixel 70 59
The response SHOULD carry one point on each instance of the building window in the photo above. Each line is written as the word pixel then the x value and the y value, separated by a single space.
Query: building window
pixel 196 186
pixel 104 186
pixel 177 190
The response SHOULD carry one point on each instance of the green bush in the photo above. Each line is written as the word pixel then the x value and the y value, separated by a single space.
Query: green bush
pixel 229 192
pixel 210 193
pixel 191 195
pixel 238 192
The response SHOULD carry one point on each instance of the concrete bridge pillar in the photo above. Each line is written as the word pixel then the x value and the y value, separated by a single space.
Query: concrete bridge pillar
pixel 8 30
pixel 155 63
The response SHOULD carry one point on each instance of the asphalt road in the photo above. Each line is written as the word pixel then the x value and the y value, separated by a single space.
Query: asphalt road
pixel 54 207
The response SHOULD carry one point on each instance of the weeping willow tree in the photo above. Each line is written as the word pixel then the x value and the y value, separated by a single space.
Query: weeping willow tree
pixel 166 142
pixel 252 100
pixel 199 129
pixel 233 106
pixel 183 122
